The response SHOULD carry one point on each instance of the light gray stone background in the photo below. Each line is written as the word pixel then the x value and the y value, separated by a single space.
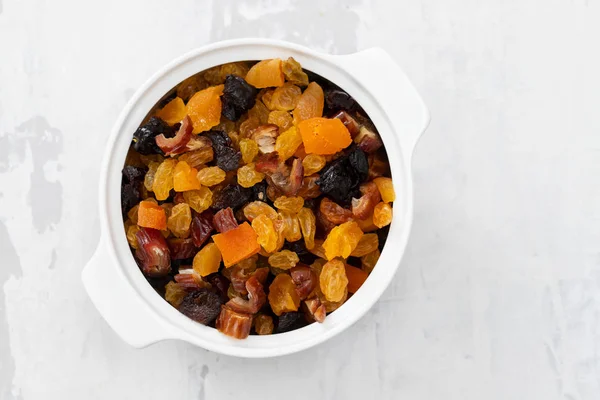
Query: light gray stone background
pixel 498 295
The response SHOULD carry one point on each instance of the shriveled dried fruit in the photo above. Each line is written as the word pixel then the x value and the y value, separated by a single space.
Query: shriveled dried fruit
pixel 199 200
pixel 364 205
pixel 174 294
pixel 232 195
pixel 342 240
pixel 185 177
pixel 202 306
pixel 131 232
pixel 201 227
pixel 382 215
pixel 283 259
pixel 333 212
pixel 180 220
pixel 313 163
pixel 305 280
pixel 349 122
pixel 256 208
pixel 144 138
pixel 259 112
pixel 311 103
pixel 307 221
pixel 285 98
pixel 356 278
pixel 204 108
pixel 291 225
pixel 386 189
pixel 151 215
pixel 287 143
pixel 368 243
pixel 315 310
pixel 211 176
pixel 338 99
pixel 333 280
pixel 181 249
pixel 282 119
pixel 368 261
pixel 238 97
pixel 293 72
pixel 263 324
pixel 237 244
pixel 233 323
pixel 282 295
pixel 198 157
pixel 341 178
pixel 153 253
pixel 265 137
pixel 189 279
pixel 149 178
pixel 256 298
pixel 323 135
pixel 309 188
pixel 290 321
pixel 248 176
pixel 163 179
pixel 227 158
pixel 367 140
pixel 291 204
pixel 179 143
pixel 249 150
pixel 266 73
pixel 267 236
pixel 208 260
pixel 224 220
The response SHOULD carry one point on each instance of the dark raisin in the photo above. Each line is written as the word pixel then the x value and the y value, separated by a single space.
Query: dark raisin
pixel 226 157
pixel 359 162
pixel 311 203
pixel 201 227
pixel 341 178
pixel 175 264
pixel 298 247
pixel 237 98
pixel 134 174
pixel 259 191
pixel 290 321
pixel 339 100
pixel 130 196
pixel 224 220
pixel 232 195
pixel 219 138
pixel 220 285
pixel 144 138
pixel 202 306
pixel 181 248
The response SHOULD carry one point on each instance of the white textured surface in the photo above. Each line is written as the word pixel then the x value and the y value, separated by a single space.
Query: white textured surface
pixel 498 296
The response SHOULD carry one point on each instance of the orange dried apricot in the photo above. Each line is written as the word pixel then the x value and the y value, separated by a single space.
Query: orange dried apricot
pixel 151 215
pixel 237 244
pixel 324 136
pixel 185 177
pixel 266 73
pixel 204 108
pixel 356 277
pixel 207 260
pixel 173 112
pixel 282 295
pixel 310 104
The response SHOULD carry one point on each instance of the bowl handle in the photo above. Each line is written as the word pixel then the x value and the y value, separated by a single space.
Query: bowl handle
pixel 118 304
pixel 375 69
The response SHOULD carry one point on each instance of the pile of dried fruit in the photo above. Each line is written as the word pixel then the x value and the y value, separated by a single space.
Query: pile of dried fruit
pixel 256 200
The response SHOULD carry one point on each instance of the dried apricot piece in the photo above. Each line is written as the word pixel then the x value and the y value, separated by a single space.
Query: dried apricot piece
pixel 211 176
pixel 382 215
pixel 308 226
pixel 324 136
pixel 151 215
pixel 266 233
pixel 207 260
pixel 356 277
pixel 173 112
pixel 249 150
pixel 282 295
pixel 293 72
pixel 386 189
pixel 313 163
pixel 342 240
pixel 368 261
pixel 163 179
pixel 237 244
pixel 199 199
pixel 311 103
pixel 266 73
pixel 284 259
pixel 256 208
pixel 248 176
pixel 185 177
pixel 204 108
pixel 282 119
pixel 285 98
pixel 368 243
pixel 333 280
pixel 180 219
pixel 287 143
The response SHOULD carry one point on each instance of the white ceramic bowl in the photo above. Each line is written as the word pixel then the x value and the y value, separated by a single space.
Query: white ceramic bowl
pixel 113 280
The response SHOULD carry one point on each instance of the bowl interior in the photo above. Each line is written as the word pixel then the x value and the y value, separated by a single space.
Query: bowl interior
pixel 255 346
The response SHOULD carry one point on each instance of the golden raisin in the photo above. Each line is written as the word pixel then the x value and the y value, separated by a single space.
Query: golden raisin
pixel 333 280
pixel 198 157
pixel 131 237
pixel 368 243
pixel 249 150
pixel 284 259
pixel 282 119
pixel 256 208
pixel 207 260
pixel 248 176
pixel 292 204
pixel 180 219
pixel 267 98
pixel 386 189
pixel 211 176
pixel 199 199
pixel 149 178
pixel 267 236
pixel 287 143
pixel 133 213
pixel 368 261
pixel 259 112
pixel 308 225
pixel 282 295
pixel 293 72
pixel 313 163
pixel 286 98
pixel 263 324
pixel 382 215
pixel 163 179
pixel 342 240
pixel 291 230
pixel 311 103
pixel 174 294
pixel 248 126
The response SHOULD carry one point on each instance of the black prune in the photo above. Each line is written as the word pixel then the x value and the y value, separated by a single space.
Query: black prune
pixel 259 191
pixel 298 247
pixel 226 157
pixel 202 306
pixel 341 178
pixel 232 195
pixel 237 98
pixel 144 138
pixel 339 100
pixel 290 321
